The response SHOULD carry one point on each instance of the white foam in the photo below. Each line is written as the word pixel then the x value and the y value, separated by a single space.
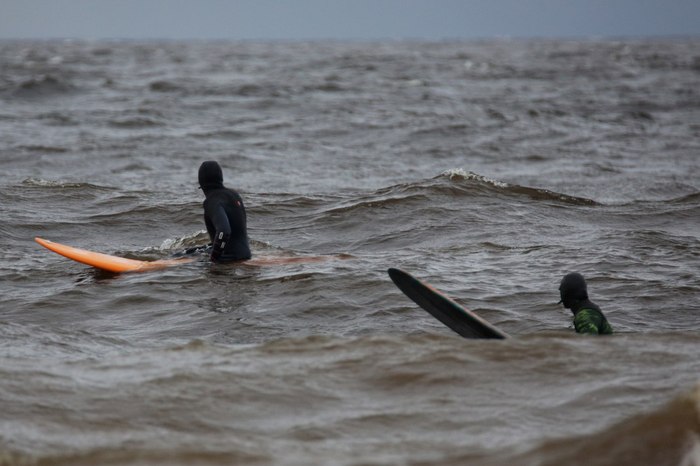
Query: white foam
pixel 468 175
pixel 185 241
pixel 51 184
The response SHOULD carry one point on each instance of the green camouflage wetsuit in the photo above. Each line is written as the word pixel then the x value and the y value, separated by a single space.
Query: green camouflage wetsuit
pixel 588 318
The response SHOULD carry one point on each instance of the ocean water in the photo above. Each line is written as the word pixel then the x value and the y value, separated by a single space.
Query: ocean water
pixel 486 168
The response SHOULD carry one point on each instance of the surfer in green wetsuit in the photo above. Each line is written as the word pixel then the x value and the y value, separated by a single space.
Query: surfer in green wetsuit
pixel 588 318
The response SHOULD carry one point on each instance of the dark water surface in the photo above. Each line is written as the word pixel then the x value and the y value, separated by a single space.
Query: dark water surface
pixel 489 169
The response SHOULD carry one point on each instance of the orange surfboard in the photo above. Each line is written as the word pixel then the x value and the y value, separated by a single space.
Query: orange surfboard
pixel 110 263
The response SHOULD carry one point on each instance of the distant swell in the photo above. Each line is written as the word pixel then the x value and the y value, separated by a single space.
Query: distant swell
pixel 204 88
pixel 43 149
pixel 164 86
pixel 135 123
pixel 43 86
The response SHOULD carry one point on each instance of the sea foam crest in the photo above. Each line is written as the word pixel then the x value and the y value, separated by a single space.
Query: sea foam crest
pixel 194 239
pixel 460 173
pixel 39 182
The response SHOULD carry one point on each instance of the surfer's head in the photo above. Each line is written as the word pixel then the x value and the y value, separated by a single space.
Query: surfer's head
pixel 572 289
pixel 210 176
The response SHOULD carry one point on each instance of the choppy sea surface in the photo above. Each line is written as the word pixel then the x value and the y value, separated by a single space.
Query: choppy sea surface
pixel 487 168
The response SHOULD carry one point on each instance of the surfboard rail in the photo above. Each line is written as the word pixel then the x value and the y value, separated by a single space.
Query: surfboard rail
pixel 108 262
pixel 462 321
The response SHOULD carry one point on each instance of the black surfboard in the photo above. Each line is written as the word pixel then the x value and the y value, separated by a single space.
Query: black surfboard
pixel 459 319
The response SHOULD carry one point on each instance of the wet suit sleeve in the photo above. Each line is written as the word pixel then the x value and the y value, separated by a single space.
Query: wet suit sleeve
pixel 590 322
pixel 219 219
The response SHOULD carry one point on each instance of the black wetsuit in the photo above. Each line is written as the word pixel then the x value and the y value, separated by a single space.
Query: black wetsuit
pixel 224 216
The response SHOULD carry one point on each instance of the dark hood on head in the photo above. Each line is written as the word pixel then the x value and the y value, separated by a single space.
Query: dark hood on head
pixel 572 289
pixel 210 176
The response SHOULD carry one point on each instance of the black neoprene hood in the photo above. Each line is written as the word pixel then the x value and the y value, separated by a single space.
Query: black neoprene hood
pixel 573 287
pixel 210 176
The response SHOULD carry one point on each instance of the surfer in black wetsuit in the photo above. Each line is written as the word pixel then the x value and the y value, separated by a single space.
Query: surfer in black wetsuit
pixel 224 216
pixel 588 318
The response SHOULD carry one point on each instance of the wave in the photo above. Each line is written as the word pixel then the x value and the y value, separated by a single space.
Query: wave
pixel 176 245
pixel 135 123
pixel 163 85
pixel 184 455
pixel 669 435
pixel 460 175
pixel 692 198
pixel 455 183
pixel 43 149
pixel 197 239
pixel 53 184
pixel 57 118
pixel 189 87
pixel 44 86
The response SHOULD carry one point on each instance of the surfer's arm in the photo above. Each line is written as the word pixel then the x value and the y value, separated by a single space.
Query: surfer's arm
pixel 222 230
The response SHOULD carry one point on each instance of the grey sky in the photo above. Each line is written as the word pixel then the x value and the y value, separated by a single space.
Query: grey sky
pixel 349 19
